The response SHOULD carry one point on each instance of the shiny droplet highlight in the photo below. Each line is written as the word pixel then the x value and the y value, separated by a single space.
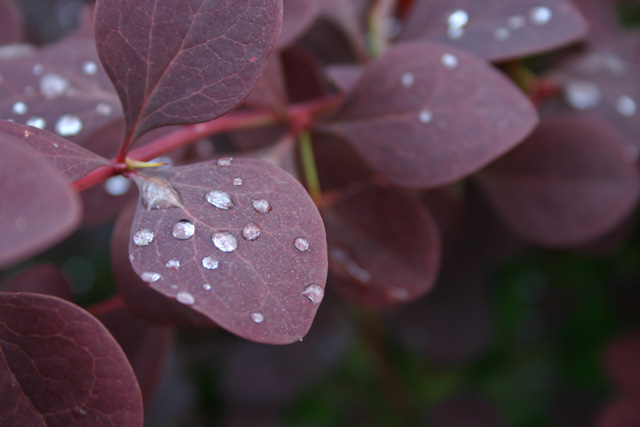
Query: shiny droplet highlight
pixel 251 231
pixel 225 241
pixel 143 237
pixel 183 229
pixel 219 199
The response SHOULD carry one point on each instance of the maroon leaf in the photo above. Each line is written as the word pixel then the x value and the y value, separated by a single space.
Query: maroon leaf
pixel 37 207
pixel 44 279
pixel 239 241
pixel 10 23
pixel 622 362
pixel 142 300
pixel 304 76
pixel 570 182
pixel 497 30
pixel 298 17
pixel 624 412
pixel 65 157
pixel 384 247
pixel 60 367
pixel 61 88
pixel 440 116
pixel 345 77
pixel 196 60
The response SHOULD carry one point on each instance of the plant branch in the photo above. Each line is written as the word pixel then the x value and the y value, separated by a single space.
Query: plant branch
pixel 309 166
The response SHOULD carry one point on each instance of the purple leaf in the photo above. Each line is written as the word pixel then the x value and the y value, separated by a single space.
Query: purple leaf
pixel 46 279
pixel 570 182
pixel 61 88
pixel 37 207
pixel 65 157
pixel 298 17
pixel 237 240
pixel 622 362
pixel 497 29
pixel 623 412
pixel 344 77
pixel 59 366
pixel 177 62
pixel 440 116
pixel 10 23
pixel 384 247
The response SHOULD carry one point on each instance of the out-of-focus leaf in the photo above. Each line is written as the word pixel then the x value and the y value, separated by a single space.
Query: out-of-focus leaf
pixel 298 16
pixel 46 279
pixel 624 412
pixel 622 362
pixel 10 23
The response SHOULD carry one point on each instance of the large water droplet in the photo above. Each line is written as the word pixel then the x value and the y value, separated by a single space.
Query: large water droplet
pixel 53 86
pixel 449 60
pixel 143 237
pixel 261 206
pixel 257 317
pixel 582 95
pixel 20 108
pixel 458 19
pixel 225 241
pixel 398 294
pixel 210 262
pixel 219 199
pixel 158 193
pixel 68 125
pixel 185 298
pixel 89 68
pixel 407 79
pixel 502 34
pixel 315 293
pixel 206 287
pixel 37 122
pixel 183 229
pixel 626 106
pixel 117 185
pixel 516 22
pixel 104 109
pixel 150 277
pixel 301 244
pixel 251 231
pixel 173 264
pixel 225 162
pixel 540 15
pixel 425 116
pixel 237 181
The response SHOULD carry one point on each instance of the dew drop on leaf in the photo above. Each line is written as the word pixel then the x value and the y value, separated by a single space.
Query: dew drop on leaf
pixel 89 68
pixel 398 294
pixel 206 287
pixel 185 298
pixel 183 229
pixel 150 277
pixel 53 86
pixel 502 34
pixel 251 231
pixel 257 317
pixel 540 15
pixel 626 106
pixel 104 109
pixel 37 122
pixel 425 116
pixel 68 125
pixel 449 60
pixel 158 193
pixel 210 262
pixel 173 264
pixel 350 265
pixel 315 293
pixel 117 185
pixel 37 70
pixel 407 79
pixel 237 181
pixel 261 206
pixel 225 162
pixel 20 108
pixel 219 199
pixel 516 22
pixel 143 237
pixel 582 95
pixel 225 241
pixel 458 19
pixel 301 244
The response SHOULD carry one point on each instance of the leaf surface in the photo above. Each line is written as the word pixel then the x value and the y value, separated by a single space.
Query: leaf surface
pixel 570 182
pixel 37 207
pixel 60 367
pixel 237 240
pixel 10 23
pixel 298 16
pixel 46 279
pixel 178 62
pixel 440 116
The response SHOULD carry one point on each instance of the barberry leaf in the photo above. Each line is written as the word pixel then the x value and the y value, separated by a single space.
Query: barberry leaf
pixel 384 247
pixel 622 362
pixel 37 207
pixel 60 367
pixel 498 29
pixel 179 61
pixel 622 412
pixel 65 157
pixel 46 279
pixel 298 16
pixel 10 23
pixel 237 240
pixel 568 183
pixel 438 117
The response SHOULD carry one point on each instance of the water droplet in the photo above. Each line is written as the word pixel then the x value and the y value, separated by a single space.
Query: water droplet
pixel 37 122
pixel 257 317
pixel 626 106
pixel 540 15
pixel 449 60
pixel 261 206
pixel 315 293
pixel 301 244
pixel 210 262
pixel 502 34
pixel 425 116
pixel 53 86
pixel 104 109
pixel 206 287
pixel 143 237
pixel 219 199
pixel 68 125
pixel 150 277
pixel 516 22
pixel 183 229
pixel 398 294
pixel 251 231
pixel 225 241
pixel 80 411
pixel 582 95
pixel 458 19
pixel 407 79
pixel 117 185
pixel 237 181
pixel 89 68
pixel 225 162
pixel 455 33
pixel 20 108
pixel 185 298
pixel 350 265
pixel 174 264
pixel 37 70
pixel 158 193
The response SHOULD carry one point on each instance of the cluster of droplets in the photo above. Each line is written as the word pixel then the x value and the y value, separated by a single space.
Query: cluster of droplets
pixel 585 95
